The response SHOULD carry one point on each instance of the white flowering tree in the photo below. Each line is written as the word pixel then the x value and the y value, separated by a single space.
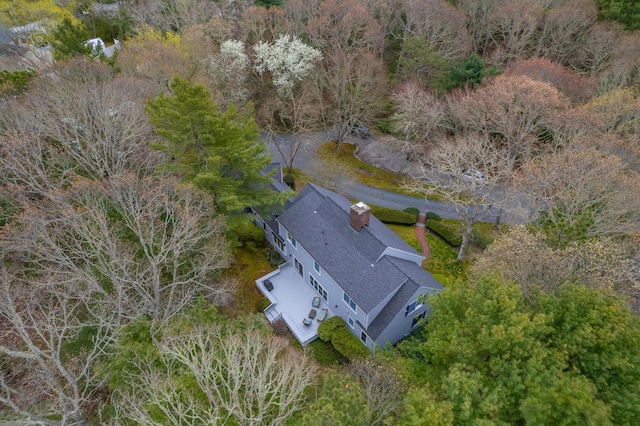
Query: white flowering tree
pixel 229 70
pixel 289 61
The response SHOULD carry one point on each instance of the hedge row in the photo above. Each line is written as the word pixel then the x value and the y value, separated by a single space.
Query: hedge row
pixel 392 216
pixel 449 233
pixel 334 330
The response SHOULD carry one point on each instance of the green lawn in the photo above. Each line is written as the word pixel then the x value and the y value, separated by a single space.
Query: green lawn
pixel 442 262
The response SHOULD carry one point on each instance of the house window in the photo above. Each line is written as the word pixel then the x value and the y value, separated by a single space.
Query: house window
pixel 363 337
pixel 278 241
pixel 298 266
pixel 315 284
pixel 316 266
pixel 292 240
pixel 351 322
pixel 412 307
pixel 417 319
pixel 264 225
pixel 349 302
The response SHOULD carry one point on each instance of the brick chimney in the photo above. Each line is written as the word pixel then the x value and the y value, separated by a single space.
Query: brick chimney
pixel 360 214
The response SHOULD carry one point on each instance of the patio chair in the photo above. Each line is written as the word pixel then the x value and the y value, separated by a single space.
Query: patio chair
pixel 312 313
pixel 306 322
pixel 316 302
pixel 322 315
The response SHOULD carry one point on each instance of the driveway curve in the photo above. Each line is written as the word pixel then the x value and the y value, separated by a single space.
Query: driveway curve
pixel 380 154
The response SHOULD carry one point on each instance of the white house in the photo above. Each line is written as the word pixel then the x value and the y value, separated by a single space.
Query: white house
pixel 359 268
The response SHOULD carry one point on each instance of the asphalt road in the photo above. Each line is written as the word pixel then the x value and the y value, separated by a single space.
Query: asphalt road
pixel 379 197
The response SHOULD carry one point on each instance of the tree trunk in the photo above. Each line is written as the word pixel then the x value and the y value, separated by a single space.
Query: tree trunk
pixel 496 224
pixel 466 238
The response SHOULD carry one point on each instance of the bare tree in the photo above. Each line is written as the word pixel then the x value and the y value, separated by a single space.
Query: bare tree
pixel 581 193
pixel 52 335
pixel 244 377
pixel 531 260
pixel 153 241
pixel 515 111
pixel 419 118
pixel 439 24
pixel 514 29
pixel 473 173
pixel 576 87
pixel 31 168
pixel 100 124
pixel 354 86
pixel 383 390
pixel 565 31
pixel 179 15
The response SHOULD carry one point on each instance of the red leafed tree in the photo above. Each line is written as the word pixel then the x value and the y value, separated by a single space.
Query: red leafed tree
pixel 516 112
pixel 576 87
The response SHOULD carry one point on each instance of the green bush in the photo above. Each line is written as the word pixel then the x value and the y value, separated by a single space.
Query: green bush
pixel 263 304
pixel 290 180
pixel 243 230
pixel 447 232
pixel 392 216
pixel 273 257
pixel 348 345
pixel 412 210
pixel 335 330
pixel 429 216
pixel 328 327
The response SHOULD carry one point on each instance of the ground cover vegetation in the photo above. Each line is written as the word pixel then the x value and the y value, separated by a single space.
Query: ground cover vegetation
pixel 127 265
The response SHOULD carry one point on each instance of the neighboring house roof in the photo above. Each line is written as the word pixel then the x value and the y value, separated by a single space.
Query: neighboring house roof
pixel 97 45
pixel 319 220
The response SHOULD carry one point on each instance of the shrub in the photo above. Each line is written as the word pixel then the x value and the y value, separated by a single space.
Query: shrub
pixel 290 180
pixel 412 210
pixel 446 232
pixel 348 345
pixel 392 216
pixel 328 327
pixel 335 330
pixel 273 257
pixel 429 216
pixel 263 304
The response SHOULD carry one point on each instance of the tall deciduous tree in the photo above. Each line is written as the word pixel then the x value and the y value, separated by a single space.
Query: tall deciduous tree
pixel 529 259
pixel 98 123
pixel 210 374
pixel 219 152
pixel 53 333
pixel 289 62
pixel 146 246
pixel 515 112
pixel 581 193
pixel 454 164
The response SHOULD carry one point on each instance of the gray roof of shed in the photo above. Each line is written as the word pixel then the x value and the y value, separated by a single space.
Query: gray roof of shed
pixel 319 220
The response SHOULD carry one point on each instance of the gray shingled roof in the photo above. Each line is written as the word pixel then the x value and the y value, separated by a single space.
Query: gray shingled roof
pixel 319 220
